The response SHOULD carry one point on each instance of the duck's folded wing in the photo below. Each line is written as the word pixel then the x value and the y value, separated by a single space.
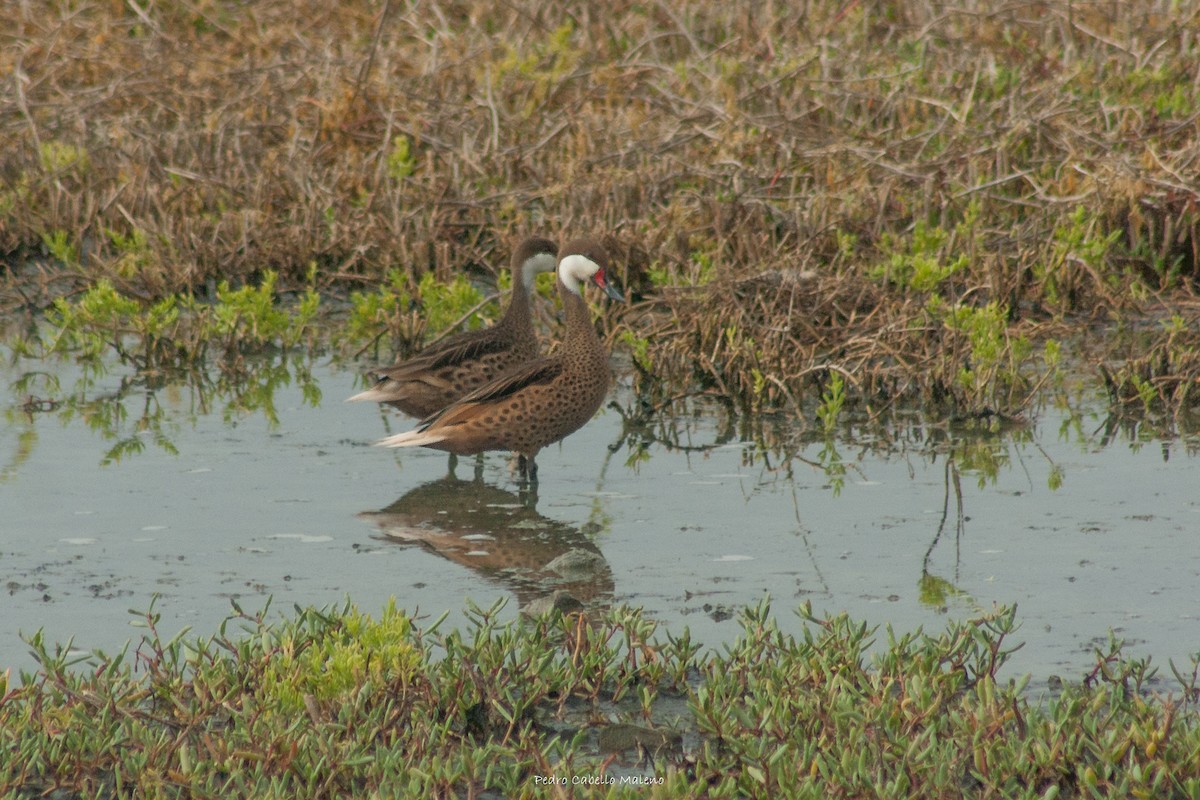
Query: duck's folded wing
pixel 455 352
pixel 538 371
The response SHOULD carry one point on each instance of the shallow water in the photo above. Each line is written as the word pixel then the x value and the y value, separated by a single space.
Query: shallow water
pixel 119 495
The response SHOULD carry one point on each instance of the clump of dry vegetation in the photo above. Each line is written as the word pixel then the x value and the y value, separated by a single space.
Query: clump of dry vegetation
pixel 920 197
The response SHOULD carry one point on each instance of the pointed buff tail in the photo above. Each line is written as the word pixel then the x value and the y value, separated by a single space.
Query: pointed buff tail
pixel 372 394
pixel 415 438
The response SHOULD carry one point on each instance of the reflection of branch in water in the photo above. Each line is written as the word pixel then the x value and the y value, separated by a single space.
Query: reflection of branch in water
pixel 26 440
pixel 648 425
pixel 116 416
pixel 935 590
pixel 812 557
pixel 983 445
pixel 777 446
pixel 1140 429
pixel 501 536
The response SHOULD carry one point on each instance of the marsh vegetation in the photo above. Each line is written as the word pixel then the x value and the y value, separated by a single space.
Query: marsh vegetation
pixel 820 210
pixel 931 201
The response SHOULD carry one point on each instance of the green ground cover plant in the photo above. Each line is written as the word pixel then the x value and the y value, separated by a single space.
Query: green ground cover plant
pixel 337 702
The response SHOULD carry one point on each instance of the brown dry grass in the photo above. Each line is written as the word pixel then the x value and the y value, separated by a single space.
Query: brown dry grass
pixel 784 150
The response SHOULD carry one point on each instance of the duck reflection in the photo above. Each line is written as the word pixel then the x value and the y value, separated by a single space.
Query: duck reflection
pixel 500 535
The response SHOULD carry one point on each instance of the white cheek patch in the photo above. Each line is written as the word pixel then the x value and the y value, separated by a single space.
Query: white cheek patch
pixel 542 262
pixel 574 269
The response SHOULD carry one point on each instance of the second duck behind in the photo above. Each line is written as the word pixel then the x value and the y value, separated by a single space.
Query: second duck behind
pixel 444 372
pixel 542 401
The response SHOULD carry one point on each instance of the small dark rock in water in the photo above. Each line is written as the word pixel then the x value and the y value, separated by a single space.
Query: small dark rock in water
pixel 577 564
pixel 557 602
pixel 718 613
pixel 621 736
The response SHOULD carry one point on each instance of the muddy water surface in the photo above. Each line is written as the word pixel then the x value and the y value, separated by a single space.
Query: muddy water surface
pixel 117 495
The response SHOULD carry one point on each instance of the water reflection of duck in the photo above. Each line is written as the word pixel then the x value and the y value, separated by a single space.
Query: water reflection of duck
pixel 542 401
pixel 444 372
pixel 501 536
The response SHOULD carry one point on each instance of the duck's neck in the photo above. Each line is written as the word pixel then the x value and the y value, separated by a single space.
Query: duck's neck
pixel 517 312
pixel 581 333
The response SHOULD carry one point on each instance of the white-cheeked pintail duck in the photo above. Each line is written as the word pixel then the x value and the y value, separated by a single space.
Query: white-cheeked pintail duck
pixel 441 374
pixel 542 401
